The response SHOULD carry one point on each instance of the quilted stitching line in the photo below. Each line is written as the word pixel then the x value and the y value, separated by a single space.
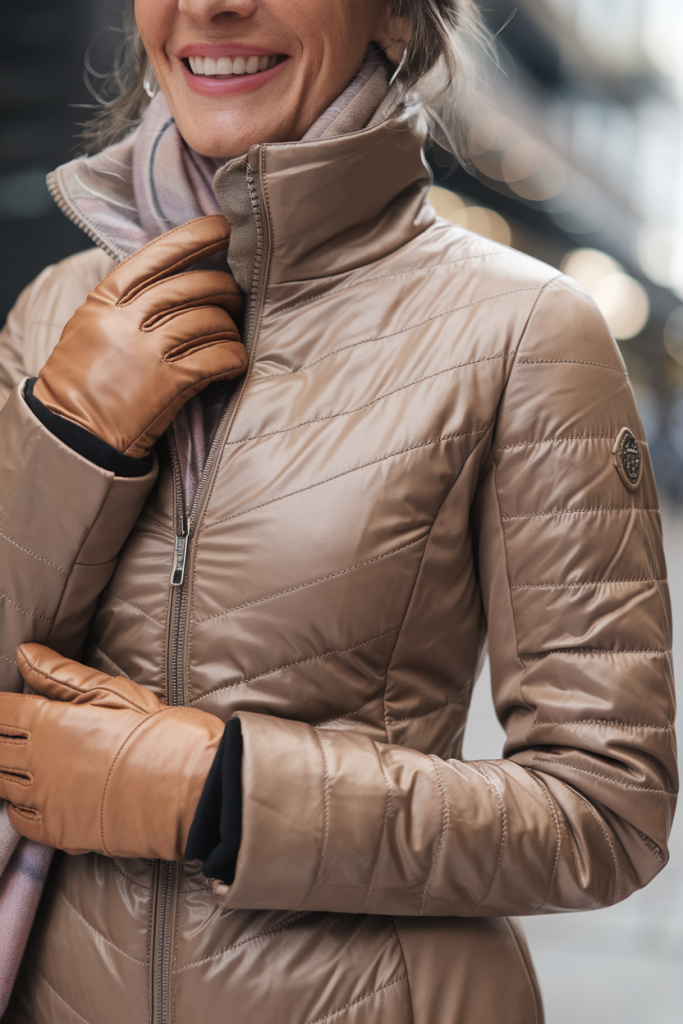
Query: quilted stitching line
pixel 358 408
pixel 383 830
pixel 56 993
pixel 382 277
pixel 433 711
pixel 588 651
pixel 345 472
pixel 250 938
pixel 395 334
pixel 98 933
pixel 326 817
pixel 292 664
pixel 361 999
pixel 607 722
pixel 27 551
pixel 586 583
pixel 558 846
pixel 504 830
pixel 579 362
pixel 453 484
pixel 119 670
pixel 137 608
pixel 556 440
pixel 445 817
pixel 312 583
pixel 606 778
pixel 24 611
pixel 349 714
pixel 579 511
pixel 592 811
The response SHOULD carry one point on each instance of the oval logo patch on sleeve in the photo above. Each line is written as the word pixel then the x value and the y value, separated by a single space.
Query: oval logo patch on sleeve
pixel 627 459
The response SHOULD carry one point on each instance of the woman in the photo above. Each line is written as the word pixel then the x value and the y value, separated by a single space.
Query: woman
pixel 426 438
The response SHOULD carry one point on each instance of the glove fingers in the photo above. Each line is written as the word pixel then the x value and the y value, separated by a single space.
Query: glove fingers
pixel 211 358
pixel 26 820
pixel 63 679
pixel 185 291
pixel 16 716
pixel 218 360
pixel 169 254
pixel 191 331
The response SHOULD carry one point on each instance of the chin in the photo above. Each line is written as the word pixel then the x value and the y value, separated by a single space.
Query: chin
pixel 223 139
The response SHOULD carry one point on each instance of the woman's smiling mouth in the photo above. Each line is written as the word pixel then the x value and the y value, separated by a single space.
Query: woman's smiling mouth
pixel 225 67
pixel 213 69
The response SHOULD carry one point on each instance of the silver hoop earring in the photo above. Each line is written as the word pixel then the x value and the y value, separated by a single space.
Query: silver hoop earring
pixel 399 69
pixel 150 84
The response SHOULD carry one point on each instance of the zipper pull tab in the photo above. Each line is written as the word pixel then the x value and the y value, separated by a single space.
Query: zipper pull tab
pixel 180 554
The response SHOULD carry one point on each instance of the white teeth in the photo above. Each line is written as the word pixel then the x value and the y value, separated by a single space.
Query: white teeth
pixel 231 65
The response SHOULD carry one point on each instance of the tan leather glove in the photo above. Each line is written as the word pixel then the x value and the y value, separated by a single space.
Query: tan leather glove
pixel 146 339
pixel 103 766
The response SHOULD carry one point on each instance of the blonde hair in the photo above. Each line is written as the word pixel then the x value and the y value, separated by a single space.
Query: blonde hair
pixel 437 70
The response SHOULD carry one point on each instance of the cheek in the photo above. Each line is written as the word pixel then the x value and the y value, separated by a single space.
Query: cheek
pixel 155 20
pixel 321 25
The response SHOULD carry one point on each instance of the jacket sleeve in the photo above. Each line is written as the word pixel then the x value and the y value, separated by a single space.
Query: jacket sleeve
pixel 577 814
pixel 63 519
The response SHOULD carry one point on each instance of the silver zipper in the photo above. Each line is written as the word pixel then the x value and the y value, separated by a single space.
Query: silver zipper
pixel 167 875
pixel 180 553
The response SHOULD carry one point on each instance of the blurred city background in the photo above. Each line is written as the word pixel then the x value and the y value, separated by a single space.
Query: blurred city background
pixel 576 158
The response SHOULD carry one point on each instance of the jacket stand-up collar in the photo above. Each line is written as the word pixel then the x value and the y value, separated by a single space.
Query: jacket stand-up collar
pixel 322 206
pixel 327 207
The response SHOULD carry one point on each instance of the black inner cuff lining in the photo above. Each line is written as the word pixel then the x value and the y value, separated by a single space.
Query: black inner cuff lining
pixel 84 443
pixel 216 831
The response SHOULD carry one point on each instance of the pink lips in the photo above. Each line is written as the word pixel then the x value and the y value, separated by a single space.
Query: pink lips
pixel 225 50
pixel 207 86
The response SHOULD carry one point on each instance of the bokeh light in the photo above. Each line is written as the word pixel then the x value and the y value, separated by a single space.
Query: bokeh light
pixel 478 219
pixel 621 299
pixel 673 335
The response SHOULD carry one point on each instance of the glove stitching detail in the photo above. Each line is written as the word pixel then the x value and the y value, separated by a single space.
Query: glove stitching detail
pixel 147 717
pixel 16 776
pixel 27 813
pixel 103 687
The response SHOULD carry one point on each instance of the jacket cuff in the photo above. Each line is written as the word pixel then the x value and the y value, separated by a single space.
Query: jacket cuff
pixel 216 830
pixel 85 443
pixel 283 816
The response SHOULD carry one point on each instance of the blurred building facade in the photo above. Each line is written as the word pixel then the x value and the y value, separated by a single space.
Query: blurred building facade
pixel 42 96
pixel 578 146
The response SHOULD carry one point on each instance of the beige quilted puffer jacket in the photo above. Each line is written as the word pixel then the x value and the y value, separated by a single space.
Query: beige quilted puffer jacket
pixel 422 451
